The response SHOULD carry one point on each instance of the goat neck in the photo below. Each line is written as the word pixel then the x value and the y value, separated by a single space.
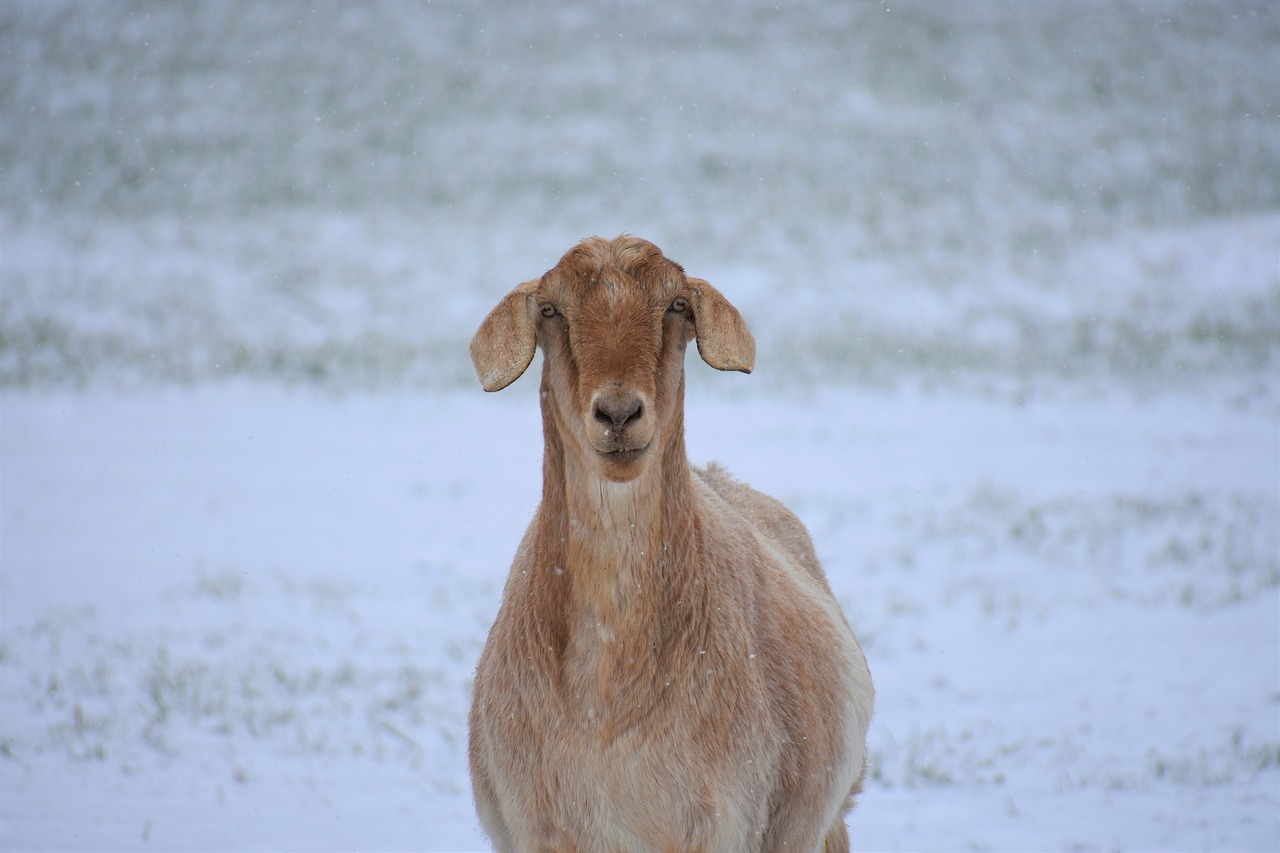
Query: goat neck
pixel 611 539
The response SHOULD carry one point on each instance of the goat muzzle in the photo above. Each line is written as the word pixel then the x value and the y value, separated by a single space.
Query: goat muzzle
pixel 620 425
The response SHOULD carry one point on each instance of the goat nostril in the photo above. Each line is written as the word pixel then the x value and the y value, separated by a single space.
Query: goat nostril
pixel 618 412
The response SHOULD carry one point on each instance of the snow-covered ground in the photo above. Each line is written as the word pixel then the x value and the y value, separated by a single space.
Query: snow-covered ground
pixel 246 618
pixel 1014 270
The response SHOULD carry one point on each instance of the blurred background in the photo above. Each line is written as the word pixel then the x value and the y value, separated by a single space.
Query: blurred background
pixel 1014 271
pixel 999 196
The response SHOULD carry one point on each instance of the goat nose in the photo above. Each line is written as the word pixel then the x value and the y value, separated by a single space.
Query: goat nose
pixel 618 411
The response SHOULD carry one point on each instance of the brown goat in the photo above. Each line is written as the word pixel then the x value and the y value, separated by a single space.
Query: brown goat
pixel 669 669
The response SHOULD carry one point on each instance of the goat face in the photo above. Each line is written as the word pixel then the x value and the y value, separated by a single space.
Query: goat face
pixel 613 318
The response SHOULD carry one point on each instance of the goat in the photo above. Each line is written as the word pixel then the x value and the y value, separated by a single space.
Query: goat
pixel 668 669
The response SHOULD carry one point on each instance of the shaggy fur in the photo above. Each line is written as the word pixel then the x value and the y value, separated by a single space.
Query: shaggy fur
pixel 669 669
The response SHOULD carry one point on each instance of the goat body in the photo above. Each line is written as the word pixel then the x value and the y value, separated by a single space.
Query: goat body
pixel 669 669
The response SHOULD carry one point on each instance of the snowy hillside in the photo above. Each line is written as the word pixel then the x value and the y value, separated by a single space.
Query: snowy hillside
pixel 1014 270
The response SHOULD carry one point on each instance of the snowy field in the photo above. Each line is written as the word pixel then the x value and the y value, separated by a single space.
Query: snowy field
pixel 1014 270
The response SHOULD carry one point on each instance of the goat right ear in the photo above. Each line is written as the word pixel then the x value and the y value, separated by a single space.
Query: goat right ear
pixel 504 344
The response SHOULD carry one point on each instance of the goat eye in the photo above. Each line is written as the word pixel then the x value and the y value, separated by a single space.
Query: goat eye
pixel 679 305
pixel 548 310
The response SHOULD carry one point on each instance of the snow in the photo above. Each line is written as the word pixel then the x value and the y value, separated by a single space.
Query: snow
pixel 1014 272
pixel 240 617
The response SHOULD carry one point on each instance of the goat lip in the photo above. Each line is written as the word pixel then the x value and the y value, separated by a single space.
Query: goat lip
pixel 623 455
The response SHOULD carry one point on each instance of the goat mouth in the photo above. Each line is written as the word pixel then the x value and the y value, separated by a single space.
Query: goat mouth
pixel 623 456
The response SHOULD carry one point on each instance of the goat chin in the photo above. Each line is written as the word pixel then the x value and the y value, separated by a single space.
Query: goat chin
pixel 668 669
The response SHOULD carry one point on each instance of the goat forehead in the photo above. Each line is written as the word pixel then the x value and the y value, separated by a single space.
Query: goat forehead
pixel 624 252
pixel 616 270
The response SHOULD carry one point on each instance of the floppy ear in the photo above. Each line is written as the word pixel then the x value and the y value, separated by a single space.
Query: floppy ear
pixel 504 344
pixel 724 341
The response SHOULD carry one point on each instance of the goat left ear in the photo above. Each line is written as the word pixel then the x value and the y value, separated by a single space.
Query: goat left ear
pixel 504 344
pixel 724 341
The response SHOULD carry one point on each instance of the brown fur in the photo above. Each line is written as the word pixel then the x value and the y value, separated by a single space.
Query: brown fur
pixel 669 669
